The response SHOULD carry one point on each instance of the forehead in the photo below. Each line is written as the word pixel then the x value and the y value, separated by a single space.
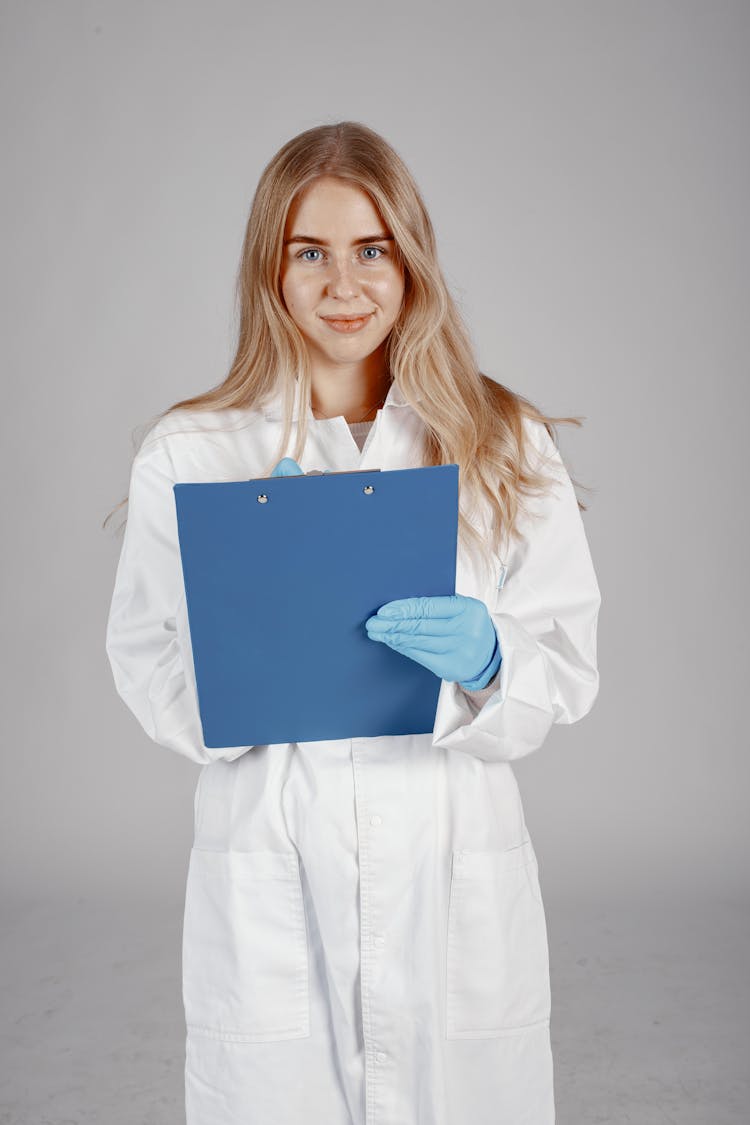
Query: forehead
pixel 336 208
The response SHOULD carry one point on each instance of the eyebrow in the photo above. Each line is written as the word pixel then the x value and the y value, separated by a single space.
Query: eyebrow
pixel 322 242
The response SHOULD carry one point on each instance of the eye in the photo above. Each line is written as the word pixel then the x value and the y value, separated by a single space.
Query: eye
pixel 380 252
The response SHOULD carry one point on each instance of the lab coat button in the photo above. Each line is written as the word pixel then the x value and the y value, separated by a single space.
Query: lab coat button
pixel 376 820
pixel 379 940
pixel 381 1056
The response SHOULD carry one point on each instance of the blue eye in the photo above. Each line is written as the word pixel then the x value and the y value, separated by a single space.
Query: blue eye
pixel 316 250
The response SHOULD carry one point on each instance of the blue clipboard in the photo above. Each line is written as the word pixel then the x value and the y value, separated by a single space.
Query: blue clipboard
pixel 281 574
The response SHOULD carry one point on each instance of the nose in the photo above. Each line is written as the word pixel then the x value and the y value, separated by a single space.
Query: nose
pixel 342 282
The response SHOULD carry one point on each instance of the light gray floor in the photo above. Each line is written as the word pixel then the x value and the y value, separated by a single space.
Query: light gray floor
pixel 650 1013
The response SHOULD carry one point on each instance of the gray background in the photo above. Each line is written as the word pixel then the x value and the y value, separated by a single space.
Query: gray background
pixel 586 168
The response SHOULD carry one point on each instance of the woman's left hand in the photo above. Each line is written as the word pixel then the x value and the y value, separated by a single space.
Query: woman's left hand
pixel 452 635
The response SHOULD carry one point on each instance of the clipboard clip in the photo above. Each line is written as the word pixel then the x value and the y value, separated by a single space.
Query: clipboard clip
pixel 336 473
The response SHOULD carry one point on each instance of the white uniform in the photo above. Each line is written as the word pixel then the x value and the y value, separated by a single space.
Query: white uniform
pixel 364 936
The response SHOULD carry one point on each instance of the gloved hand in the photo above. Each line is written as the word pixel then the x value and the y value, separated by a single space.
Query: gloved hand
pixel 287 467
pixel 452 635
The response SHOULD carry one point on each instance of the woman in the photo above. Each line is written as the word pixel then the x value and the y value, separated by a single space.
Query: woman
pixel 364 935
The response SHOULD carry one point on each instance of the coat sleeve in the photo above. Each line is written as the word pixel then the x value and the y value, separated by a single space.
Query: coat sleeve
pixel 147 633
pixel 545 617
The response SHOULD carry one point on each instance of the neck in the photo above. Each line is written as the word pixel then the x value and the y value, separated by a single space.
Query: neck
pixel 356 392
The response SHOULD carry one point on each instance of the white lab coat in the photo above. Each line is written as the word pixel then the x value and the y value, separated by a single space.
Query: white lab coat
pixel 364 937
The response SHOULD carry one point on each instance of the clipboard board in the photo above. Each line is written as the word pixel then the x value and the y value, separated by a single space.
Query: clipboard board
pixel 281 574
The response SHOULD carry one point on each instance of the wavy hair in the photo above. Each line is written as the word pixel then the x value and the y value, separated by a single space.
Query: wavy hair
pixel 470 419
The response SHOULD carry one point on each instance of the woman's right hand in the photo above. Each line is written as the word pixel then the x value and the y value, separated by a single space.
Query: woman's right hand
pixel 287 467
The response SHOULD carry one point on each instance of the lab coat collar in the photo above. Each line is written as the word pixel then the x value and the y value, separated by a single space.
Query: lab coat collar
pixel 273 409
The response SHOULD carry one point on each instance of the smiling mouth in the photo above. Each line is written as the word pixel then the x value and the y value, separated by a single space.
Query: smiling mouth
pixel 353 316
pixel 347 324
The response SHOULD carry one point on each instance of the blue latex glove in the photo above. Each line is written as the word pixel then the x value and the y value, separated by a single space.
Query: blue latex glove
pixel 452 635
pixel 287 467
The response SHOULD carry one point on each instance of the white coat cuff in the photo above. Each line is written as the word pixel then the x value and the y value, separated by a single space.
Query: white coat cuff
pixel 514 719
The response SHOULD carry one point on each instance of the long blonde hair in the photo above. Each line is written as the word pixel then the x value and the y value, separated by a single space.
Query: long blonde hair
pixel 470 419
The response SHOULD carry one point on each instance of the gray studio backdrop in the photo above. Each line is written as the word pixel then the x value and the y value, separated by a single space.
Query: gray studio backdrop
pixel 586 168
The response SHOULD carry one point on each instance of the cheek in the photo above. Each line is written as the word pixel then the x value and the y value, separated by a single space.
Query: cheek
pixel 389 293
pixel 296 295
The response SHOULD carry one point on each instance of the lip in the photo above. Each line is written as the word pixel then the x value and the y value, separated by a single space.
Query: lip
pixel 347 323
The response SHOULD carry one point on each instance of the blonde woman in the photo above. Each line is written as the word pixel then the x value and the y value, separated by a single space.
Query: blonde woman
pixel 364 935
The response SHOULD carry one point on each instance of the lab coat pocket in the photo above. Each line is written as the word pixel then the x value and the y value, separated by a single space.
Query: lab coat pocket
pixel 497 954
pixel 244 948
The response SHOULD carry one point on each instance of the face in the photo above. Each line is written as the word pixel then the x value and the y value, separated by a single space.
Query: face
pixel 340 278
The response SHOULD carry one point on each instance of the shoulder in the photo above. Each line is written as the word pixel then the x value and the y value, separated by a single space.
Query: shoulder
pixel 543 459
pixel 191 421
pixel 552 495
pixel 541 445
pixel 186 425
pixel 533 442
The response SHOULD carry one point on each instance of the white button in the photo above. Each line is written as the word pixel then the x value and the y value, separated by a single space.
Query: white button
pixel 376 820
pixel 379 939
pixel 381 1056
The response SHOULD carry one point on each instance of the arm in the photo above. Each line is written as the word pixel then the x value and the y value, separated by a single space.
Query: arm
pixel 545 617
pixel 147 634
